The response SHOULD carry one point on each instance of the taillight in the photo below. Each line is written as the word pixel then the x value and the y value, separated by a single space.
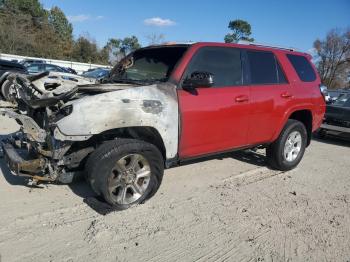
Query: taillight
pixel 324 91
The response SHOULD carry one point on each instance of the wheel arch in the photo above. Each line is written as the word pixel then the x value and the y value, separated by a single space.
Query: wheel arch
pixel 147 134
pixel 305 117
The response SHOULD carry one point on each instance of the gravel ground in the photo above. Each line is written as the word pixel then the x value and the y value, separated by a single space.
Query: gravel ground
pixel 231 208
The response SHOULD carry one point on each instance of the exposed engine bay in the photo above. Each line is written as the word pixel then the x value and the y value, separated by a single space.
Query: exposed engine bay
pixel 37 111
pixel 60 129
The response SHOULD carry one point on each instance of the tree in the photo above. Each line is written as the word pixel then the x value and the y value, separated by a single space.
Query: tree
pixel 63 30
pixel 155 39
pixel 26 28
pixel 30 7
pixel 129 44
pixel 241 30
pixel 119 48
pixel 58 20
pixel 86 50
pixel 333 58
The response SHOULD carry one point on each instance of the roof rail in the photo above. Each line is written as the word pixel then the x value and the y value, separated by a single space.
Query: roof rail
pixel 244 42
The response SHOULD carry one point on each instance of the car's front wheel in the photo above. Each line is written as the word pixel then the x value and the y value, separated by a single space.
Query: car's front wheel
pixel 287 151
pixel 125 172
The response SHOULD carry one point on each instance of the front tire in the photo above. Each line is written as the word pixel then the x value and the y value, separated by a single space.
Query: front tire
pixel 125 172
pixel 288 150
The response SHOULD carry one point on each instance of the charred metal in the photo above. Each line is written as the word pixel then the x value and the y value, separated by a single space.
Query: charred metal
pixel 60 128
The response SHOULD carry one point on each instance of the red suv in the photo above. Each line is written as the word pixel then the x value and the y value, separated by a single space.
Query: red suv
pixel 163 105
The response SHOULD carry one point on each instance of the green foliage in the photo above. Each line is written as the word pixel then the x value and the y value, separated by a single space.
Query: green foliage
pixel 26 28
pixel 60 23
pixel 241 30
pixel 85 50
pixel 119 48
pixel 29 7
pixel 129 44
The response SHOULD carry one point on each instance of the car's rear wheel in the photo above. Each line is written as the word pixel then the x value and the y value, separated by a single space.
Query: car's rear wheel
pixel 287 151
pixel 125 172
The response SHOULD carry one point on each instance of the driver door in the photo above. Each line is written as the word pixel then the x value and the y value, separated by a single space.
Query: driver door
pixel 214 119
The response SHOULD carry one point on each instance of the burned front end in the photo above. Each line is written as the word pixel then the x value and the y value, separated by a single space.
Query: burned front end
pixel 60 127
pixel 33 151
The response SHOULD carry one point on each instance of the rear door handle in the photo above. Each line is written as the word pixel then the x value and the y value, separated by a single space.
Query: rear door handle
pixel 240 99
pixel 286 95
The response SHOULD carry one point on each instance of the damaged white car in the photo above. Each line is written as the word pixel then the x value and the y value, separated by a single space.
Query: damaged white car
pixel 46 83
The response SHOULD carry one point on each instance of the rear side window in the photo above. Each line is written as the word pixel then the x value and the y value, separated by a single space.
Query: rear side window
pixel 264 68
pixel 302 67
pixel 224 63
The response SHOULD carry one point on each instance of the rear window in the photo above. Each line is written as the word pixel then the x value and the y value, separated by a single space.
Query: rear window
pixel 264 68
pixel 303 68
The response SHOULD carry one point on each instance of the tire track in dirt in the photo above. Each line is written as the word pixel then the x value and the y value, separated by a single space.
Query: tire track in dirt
pixel 212 251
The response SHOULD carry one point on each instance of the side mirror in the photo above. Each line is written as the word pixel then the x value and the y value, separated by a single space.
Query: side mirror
pixel 198 79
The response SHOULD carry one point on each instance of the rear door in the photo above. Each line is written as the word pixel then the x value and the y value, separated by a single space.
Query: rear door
pixel 214 119
pixel 270 95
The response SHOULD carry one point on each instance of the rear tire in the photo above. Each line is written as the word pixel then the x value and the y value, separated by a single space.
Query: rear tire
pixel 125 172
pixel 288 150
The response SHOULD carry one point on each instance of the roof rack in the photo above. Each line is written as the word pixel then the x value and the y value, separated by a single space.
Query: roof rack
pixel 244 42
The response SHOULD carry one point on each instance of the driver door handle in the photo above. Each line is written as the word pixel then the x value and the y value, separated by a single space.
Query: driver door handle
pixel 286 95
pixel 242 98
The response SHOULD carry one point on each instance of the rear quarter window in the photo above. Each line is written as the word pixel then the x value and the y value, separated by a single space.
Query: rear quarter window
pixel 303 67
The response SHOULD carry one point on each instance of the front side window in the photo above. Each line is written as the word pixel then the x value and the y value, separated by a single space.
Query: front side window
pixel 264 68
pixel 223 63
pixel 303 68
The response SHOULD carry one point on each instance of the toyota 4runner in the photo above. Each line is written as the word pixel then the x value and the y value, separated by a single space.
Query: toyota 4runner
pixel 161 106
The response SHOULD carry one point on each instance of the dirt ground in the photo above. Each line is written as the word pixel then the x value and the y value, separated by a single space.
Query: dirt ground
pixel 231 208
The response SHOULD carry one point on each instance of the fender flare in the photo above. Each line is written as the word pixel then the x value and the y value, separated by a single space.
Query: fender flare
pixel 287 115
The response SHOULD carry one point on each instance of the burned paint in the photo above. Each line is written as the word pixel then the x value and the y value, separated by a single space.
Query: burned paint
pixel 152 106
pixel 147 106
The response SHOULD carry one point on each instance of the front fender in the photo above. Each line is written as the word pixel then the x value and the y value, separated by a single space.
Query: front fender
pixel 154 106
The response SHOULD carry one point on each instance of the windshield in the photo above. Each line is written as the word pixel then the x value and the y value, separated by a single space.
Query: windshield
pixel 148 65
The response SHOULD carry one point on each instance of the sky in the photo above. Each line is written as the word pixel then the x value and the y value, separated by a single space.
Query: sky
pixel 285 22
